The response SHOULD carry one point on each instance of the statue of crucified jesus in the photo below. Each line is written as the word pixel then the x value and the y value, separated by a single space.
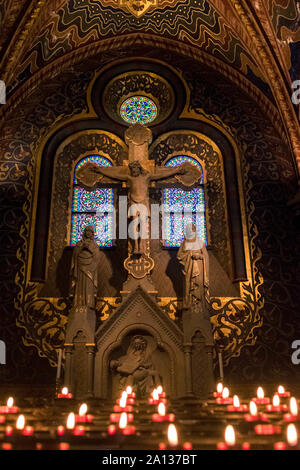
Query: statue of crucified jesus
pixel 138 181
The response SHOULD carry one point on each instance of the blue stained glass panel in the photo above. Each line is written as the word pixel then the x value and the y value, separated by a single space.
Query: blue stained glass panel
pixel 101 199
pixel 93 208
pixel 103 226
pixel 183 207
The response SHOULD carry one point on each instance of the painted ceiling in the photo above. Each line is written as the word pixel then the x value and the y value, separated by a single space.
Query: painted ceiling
pixel 259 39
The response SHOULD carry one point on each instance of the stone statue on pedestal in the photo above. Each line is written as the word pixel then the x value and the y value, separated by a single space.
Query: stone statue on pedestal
pixel 193 256
pixel 197 330
pixel 84 275
pixel 80 332
pixel 136 368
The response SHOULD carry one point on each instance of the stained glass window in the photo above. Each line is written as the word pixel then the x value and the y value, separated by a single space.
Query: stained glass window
pixel 183 207
pixel 138 109
pixel 93 208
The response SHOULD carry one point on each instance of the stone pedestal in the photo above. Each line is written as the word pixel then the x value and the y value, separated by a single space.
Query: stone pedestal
pixel 80 352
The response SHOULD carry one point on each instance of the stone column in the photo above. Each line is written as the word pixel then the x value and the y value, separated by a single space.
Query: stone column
pixel 187 348
pixel 68 365
pixel 90 348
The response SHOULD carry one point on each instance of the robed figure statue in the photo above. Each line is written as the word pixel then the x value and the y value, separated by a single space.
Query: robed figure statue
pixel 193 256
pixel 136 368
pixel 84 276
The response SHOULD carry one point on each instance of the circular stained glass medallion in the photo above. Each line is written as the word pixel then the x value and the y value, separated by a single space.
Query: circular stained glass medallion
pixel 138 109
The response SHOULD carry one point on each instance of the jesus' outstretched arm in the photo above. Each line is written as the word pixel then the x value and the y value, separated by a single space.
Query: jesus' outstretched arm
pixel 113 173
pixel 167 172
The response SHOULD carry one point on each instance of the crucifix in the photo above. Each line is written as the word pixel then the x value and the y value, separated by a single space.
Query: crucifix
pixel 138 172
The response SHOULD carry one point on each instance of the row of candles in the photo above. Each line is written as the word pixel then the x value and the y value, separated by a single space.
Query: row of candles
pixel 260 419
pixel 122 418
pixel 123 415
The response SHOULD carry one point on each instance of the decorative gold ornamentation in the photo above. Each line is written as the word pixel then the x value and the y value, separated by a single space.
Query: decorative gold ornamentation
pixel 139 267
pixel 138 7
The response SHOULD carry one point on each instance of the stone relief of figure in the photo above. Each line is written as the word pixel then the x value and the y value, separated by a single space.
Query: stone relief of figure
pixel 84 276
pixel 136 368
pixel 193 256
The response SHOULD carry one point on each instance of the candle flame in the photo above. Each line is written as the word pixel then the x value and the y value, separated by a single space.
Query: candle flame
pixel 260 392
pixel 280 389
pixel 236 401
pixel 65 391
pixel 159 389
pixel 292 435
pixel 20 422
pixel 155 394
pixel 129 390
pixel 83 409
pixel 10 402
pixel 219 387
pixel 276 400
pixel 293 406
pixel 123 421
pixel 162 409
pixel 225 392
pixel 123 400
pixel 230 435
pixel 253 408
pixel 172 435
pixel 71 421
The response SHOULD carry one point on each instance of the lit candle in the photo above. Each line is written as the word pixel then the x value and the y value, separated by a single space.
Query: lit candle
pixel 292 439
pixel 276 406
pixel 20 426
pixel 219 391
pixel 82 416
pixel 124 400
pixel 282 392
pixel 293 414
pixel 123 427
pixel 130 392
pixel 230 441
pixel 236 406
pixel 224 399
pixel 65 393
pixel 172 436
pixel 261 399
pixel 71 421
pixel 71 425
pixel 161 415
pixel 253 415
pixel 122 404
pixel 9 408
pixel 115 417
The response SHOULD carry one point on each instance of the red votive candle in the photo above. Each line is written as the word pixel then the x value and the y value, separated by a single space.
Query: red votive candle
pixel 261 399
pixel 254 416
pixel 2 419
pixel 121 409
pixel 64 446
pixel 115 417
pixel 230 441
pixel 276 406
pixel 28 431
pixel 9 408
pixel 282 392
pixel 267 429
pixel 236 406
pixel 78 431
pixel 6 446
pixel 65 394
pixel 60 430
